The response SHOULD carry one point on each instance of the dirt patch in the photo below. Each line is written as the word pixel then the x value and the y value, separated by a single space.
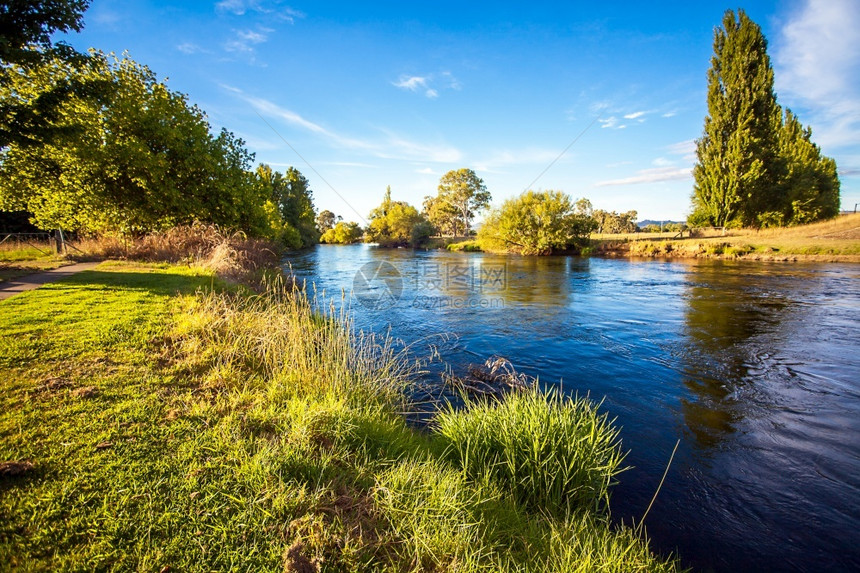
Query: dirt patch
pixel 297 561
pixel 85 392
pixel 15 469
pixel 53 384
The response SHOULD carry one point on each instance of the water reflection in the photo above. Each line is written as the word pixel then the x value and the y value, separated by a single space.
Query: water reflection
pixel 726 309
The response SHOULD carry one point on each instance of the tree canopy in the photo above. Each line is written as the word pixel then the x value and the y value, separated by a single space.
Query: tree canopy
pixel 397 224
pixel 342 234
pixel 537 223
pixel 749 157
pixel 461 194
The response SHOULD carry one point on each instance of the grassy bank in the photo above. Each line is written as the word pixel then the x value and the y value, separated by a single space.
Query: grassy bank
pixel 834 240
pixel 154 427
pixel 20 259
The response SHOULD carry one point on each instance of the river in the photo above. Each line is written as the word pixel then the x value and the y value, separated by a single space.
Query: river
pixel 754 367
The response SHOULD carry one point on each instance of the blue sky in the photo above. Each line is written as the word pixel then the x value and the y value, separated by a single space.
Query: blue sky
pixel 359 96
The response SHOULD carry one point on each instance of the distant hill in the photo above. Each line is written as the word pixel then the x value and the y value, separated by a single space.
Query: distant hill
pixel 647 222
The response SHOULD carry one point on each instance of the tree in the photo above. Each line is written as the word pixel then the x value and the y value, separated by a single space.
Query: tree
pixel 443 215
pixel 326 220
pixel 26 27
pixel 809 181
pixel 461 195
pixel 139 159
pixel 291 195
pixel 397 224
pixel 537 223
pixel 342 234
pixel 736 172
pixel 612 222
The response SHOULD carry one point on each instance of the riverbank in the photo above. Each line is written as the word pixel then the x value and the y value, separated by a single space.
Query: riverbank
pixel 836 240
pixel 148 424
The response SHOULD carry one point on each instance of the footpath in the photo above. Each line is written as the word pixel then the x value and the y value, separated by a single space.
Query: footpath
pixel 21 284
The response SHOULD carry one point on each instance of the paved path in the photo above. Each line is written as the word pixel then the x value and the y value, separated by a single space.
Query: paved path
pixel 30 282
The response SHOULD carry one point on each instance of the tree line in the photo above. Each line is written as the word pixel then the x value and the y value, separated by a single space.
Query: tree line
pixel 95 143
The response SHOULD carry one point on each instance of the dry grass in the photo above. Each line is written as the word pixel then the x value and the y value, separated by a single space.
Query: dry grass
pixel 232 256
pixel 834 240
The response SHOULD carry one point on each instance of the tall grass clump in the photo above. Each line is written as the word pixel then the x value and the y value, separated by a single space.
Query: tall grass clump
pixel 554 453
pixel 291 345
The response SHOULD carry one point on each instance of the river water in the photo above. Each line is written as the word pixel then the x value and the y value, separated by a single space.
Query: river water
pixel 754 367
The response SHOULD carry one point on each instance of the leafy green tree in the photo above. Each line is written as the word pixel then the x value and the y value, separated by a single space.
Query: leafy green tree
pixel 326 220
pixel 810 182
pixel 736 172
pixel 397 224
pixel 290 193
pixel 26 27
pixel 536 223
pixel 461 195
pixel 612 222
pixel 342 234
pixel 140 159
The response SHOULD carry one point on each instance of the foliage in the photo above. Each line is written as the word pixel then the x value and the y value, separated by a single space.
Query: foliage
pixel 141 160
pixel 754 167
pixel 26 27
pixel 536 223
pixel 342 234
pixel 737 152
pixel 326 220
pixel 612 222
pixel 397 224
pixel 461 195
pixel 289 206
pixel 809 182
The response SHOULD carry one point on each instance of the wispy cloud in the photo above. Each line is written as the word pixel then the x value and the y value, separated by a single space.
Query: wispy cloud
pixel 611 122
pixel 425 171
pixel 498 161
pixel 635 115
pixel 817 59
pixel 429 85
pixel 190 48
pixel 270 9
pixel 654 175
pixel 243 41
pixel 392 146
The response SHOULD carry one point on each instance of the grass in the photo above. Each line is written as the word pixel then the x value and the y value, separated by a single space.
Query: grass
pixel 172 421
pixel 20 259
pixel 836 239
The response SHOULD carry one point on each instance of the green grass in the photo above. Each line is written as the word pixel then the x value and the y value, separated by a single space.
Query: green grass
pixel 20 260
pixel 200 430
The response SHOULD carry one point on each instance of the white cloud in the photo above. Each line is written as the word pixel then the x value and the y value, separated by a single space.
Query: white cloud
pixel 242 7
pixel 662 162
pixel 189 48
pixel 392 147
pixel 425 171
pixel 499 160
pixel 687 148
pixel 245 40
pixel 411 83
pixel 635 115
pixel 654 175
pixel 818 65
pixel 429 84
pixel 670 114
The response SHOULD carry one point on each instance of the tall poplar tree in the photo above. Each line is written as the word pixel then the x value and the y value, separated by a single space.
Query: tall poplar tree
pixel 737 168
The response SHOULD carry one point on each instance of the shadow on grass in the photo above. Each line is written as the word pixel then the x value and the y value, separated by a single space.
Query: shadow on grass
pixel 154 281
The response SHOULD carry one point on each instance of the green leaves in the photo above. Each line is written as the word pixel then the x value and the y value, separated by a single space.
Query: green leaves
pixel 537 223
pixel 133 156
pixel 461 195
pixel 750 161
